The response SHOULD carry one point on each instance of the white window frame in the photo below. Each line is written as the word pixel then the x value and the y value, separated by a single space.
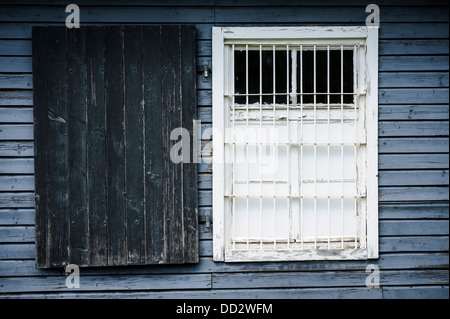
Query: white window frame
pixel 369 37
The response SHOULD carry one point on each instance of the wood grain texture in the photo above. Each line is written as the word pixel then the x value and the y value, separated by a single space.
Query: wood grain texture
pixel 110 122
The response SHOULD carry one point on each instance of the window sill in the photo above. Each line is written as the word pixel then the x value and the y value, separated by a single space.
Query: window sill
pixel 295 255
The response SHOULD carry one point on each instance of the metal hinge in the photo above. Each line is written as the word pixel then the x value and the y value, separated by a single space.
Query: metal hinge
pixel 207 219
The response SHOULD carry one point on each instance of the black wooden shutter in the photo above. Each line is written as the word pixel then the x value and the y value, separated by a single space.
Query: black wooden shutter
pixel 105 101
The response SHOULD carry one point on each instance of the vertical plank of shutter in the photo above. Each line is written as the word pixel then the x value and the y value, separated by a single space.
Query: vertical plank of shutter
pixel 96 139
pixel 115 148
pixel 171 117
pixel 188 109
pixel 77 161
pixel 134 149
pixel 40 40
pixel 57 183
pixel 154 217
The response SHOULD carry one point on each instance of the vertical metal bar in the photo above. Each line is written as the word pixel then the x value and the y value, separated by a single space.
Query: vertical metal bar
pixel 294 77
pixel 274 148
pixel 315 147
pixel 233 186
pixel 288 151
pixel 328 144
pixel 355 145
pixel 342 143
pixel 246 147
pixel 260 149
pixel 301 147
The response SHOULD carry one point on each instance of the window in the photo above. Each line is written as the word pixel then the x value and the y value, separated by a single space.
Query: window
pixel 295 143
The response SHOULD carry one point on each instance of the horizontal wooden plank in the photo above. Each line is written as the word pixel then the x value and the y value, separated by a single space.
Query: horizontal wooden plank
pixel 414 211
pixel 15 47
pixel 413 79
pixel 16 98
pixel 16 115
pixel 419 47
pixel 433 292
pixel 16 81
pixel 16 132
pixel 414 31
pixel 105 283
pixel 403 194
pixel 18 265
pixel 413 161
pixel 325 14
pixel 303 293
pixel 413 227
pixel 413 178
pixel 413 63
pixel 327 279
pixel 414 244
pixel 16 200
pixel 16 183
pixel 16 234
pixel 102 14
pixel 20 30
pixel 17 217
pixel 408 96
pixel 17 148
pixel 20 252
pixel 16 166
pixel 319 3
pixel 413 128
pixel 413 112
pixel 413 145
pixel 15 64
pixel 394 292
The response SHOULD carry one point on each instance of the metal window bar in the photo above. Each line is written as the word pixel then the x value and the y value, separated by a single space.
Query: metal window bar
pixel 355 114
pixel 301 149
pixel 328 146
pixel 288 152
pixel 247 148
pixel 292 99
pixel 260 149
pixel 233 190
pixel 315 146
pixel 342 145
pixel 275 152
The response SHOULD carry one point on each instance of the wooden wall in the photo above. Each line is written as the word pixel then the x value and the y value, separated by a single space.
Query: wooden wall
pixel 413 159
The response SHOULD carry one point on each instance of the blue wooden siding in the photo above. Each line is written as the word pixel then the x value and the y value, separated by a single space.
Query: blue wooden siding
pixel 413 159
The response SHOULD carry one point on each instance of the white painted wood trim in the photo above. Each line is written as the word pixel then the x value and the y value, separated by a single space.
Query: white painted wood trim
pixel 343 34
pixel 218 144
pixel 294 255
pixel 372 141
pixel 286 33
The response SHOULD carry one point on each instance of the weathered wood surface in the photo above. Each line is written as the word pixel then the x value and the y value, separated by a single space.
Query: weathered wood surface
pixel 90 141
